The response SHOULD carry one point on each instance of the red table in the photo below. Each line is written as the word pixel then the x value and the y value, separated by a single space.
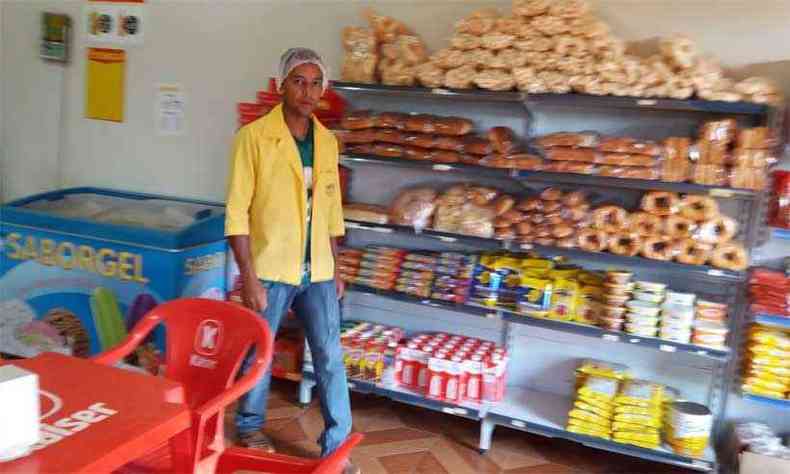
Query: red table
pixel 96 418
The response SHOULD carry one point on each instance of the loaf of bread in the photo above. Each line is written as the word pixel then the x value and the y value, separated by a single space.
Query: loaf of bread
pixel 584 155
pixel 583 140
pixel 366 213
pixel 503 139
pixel 629 145
pixel 626 159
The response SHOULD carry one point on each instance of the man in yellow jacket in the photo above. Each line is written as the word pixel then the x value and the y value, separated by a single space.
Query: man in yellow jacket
pixel 284 212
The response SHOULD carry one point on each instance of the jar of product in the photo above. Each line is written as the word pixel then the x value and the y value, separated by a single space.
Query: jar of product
pixel 689 428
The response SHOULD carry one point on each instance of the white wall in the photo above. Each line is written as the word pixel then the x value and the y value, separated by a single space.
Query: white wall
pixel 222 51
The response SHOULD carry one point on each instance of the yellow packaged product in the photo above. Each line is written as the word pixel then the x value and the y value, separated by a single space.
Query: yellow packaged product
pixel 638 419
pixel 653 439
pixel 565 273
pixel 599 388
pixel 781 373
pixel 588 311
pixel 598 434
pixel 534 273
pixel 537 263
pixel 589 426
pixel 602 421
pixel 588 278
pixel 564 299
pixel 602 368
pixel 641 393
pixel 598 410
pixel 603 405
pixel 653 411
pixel 768 337
pixel 689 427
pixel 770 360
pixel 534 294
pixel 768 350
pixel 640 444
pixel 592 291
pixel 757 390
pixel 767 384
pixel 625 426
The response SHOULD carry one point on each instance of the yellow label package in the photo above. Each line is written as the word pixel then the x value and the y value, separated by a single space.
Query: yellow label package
pixel 625 426
pixel 605 412
pixel 602 368
pixel 591 417
pixel 768 337
pixel 642 393
pixel 534 294
pixel 564 299
pixel 638 419
pixel 652 439
pixel 766 384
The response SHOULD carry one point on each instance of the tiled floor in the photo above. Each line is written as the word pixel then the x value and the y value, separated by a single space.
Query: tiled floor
pixel 401 439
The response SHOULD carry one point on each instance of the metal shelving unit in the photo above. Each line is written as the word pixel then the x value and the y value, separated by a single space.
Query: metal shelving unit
pixel 781 322
pixel 529 408
pixel 775 402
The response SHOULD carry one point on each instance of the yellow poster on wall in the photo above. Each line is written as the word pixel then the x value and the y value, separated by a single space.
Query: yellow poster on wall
pixel 104 84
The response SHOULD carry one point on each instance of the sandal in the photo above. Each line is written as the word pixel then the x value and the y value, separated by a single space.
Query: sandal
pixel 256 440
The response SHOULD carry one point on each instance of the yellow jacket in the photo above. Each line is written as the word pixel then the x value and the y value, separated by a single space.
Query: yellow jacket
pixel 267 199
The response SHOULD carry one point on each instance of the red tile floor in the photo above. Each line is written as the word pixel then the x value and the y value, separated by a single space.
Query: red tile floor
pixel 401 439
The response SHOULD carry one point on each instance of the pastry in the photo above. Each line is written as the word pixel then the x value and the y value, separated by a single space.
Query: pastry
pixel 660 203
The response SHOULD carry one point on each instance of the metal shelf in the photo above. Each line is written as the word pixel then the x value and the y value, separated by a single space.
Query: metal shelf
pixel 555 178
pixel 782 234
pixel 781 322
pixel 553 324
pixel 775 402
pixel 700 271
pixel 403 395
pixel 547 413
pixel 571 100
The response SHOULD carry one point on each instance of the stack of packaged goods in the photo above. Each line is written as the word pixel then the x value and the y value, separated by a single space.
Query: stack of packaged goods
pixel 453 368
pixel 710 325
pixel 769 290
pixel 688 428
pixel 453 277
pixel 369 350
pixel 597 384
pixel 677 316
pixel 416 274
pixel 616 293
pixel 374 267
pixel 643 309
pixel 496 281
pixel 638 414
pixel 767 368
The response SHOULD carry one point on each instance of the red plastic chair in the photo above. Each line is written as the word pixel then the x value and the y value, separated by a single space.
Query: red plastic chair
pixel 238 459
pixel 207 341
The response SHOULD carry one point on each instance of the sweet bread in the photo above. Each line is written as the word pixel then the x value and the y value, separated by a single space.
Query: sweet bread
pixel 719 230
pixel 552 206
pixel 531 204
pixel 448 143
pixel 503 204
pixel 503 139
pixel 576 213
pixel 504 233
pixel 389 135
pixel 523 228
pixel 698 208
pixel 360 149
pixel 676 166
pixel 625 159
pixel 569 167
pixel 511 58
pixel 551 194
pixel 592 240
pixel 460 77
pixel 479 58
pixel 546 241
pixel 607 48
pixel 749 177
pixel 582 155
pixel 514 215
pixel 562 231
pixel 509 25
pixel 711 153
pixel 755 138
pixel 420 123
pixel 422 140
pixel 495 80
pixel 555 218
pixel 629 146
pixel 394 120
pixel 752 158
pixel 567 139
pixel 660 203
pixel 611 219
pixel 730 256
pixel 657 248
pixel 550 25
pixel 477 146
pixel 543 231
pixel 569 8
pixel 430 74
pixel 723 131
pixel 416 153
pixel 476 25
pixel 570 46
pixel 575 198
pixel 443 156
pixel 679 50
pixel 411 49
pixel 351 137
pixel 691 252
pixel 388 150
pixel 465 41
pixel 529 8
pixel 628 244
pixel 526 162
pixel 645 224
pixel 537 44
pixel 454 126
pixel 678 227
pixel 358 119
pixel 496 41
pixel 397 73
pixel 501 222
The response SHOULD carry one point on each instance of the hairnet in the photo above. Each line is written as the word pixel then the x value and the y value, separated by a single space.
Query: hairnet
pixel 295 57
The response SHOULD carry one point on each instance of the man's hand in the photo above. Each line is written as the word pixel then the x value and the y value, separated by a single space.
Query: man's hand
pixel 340 285
pixel 253 294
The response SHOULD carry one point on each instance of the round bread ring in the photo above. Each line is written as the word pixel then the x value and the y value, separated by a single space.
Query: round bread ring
pixel 546 241
pixel 543 231
pixel 730 256
pixel 718 231
pixel 576 213
pixel 645 224
pixel 628 244
pixel 551 194
pixel 555 218
pixel 537 219
pixel 567 243
pixel 699 208
pixel 678 227
pixel 530 204
pixel 660 203
pixel 657 248
pixel 552 206
pixel 562 231
pixel 524 228
pixel 592 240
pixel 610 219
pixel 575 198
pixel 692 252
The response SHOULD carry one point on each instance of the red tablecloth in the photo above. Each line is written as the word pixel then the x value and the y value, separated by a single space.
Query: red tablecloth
pixel 96 418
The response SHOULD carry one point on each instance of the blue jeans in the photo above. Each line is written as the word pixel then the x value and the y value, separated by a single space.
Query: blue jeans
pixel 317 308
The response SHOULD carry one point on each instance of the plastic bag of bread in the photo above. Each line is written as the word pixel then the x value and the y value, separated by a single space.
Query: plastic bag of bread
pixel 679 51
pixel 568 139
pixel 676 166
pixel 479 22
pixel 710 175
pixel 495 80
pixel 411 49
pixel 361 40
pixel 477 220
pixel 366 213
pixel 629 145
pixel 360 59
pixel 629 172
pixel 397 73
pixel 753 158
pixel 414 207
pixel 460 78
pixel 757 138
pixel 429 74
pixel 583 155
pixel 749 177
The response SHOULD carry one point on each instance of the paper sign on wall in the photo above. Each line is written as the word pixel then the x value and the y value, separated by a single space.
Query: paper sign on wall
pixel 170 109
pixel 119 22
pixel 104 84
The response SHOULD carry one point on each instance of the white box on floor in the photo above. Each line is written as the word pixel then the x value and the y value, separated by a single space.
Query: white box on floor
pixel 19 411
pixel 751 463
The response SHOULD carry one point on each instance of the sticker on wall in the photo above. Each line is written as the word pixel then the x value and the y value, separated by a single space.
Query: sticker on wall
pixel 170 109
pixel 120 22
pixel 55 37
pixel 104 84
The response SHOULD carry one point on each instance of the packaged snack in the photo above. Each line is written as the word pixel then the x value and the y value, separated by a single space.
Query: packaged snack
pixel 534 294
pixel 600 368
pixel 641 393
pixel 590 417
pixel 599 388
pixel 564 299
